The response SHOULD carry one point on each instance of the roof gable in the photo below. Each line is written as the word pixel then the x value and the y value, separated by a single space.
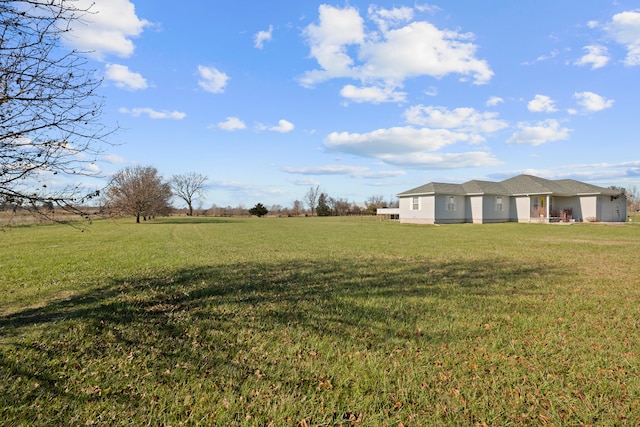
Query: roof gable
pixel 484 187
pixel 435 188
pixel 529 184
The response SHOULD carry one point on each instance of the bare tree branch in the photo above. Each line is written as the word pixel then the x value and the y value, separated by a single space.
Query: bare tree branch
pixel 311 197
pixel 139 191
pixel 49 109
pixel 188 187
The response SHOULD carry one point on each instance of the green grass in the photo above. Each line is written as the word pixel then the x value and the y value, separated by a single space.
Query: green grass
pixel 311 321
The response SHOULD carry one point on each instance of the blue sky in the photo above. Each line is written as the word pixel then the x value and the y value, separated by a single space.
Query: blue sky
pixel 367 98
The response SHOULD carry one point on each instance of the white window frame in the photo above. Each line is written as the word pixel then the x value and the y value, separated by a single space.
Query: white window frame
pixel 450 203
pixel 499 204
pixel 415 203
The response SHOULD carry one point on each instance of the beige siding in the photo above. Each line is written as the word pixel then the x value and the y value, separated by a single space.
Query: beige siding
pixel 445 216
pixel 522 209
pixel 588 208
pixel 475 210
pixel 603 208
pixel 612 209
pixel 425 213
pixel 490 214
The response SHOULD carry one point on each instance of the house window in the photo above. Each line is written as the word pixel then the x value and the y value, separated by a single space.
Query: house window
pixel 451 203
pixel 499 204
pixel 415 204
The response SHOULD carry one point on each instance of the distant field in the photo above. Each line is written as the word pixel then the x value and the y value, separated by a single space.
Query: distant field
pixel 319 321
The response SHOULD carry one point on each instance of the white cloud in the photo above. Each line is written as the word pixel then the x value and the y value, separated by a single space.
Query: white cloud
pixel 386 18
pixel 305 182
pixel 337 29
pixel 551 55
pixel 461 119
pixel 124 78
pixel 597 57
pixel 494 100
pixel 211 79
pixel 329 170
pixel 425 7
pixel 373 94
pixel 605 173
pixel 418 147
pixel 108 30
pixel 624 28
pixel 421 49
pixel 469 159
pixel 231 124
pixel 352 171
pixel 113 158
pixel 385 58
pixel 397 140
pixel 431 91
pixel 240 190
pixel 283 126
pixel 92 168
pixel 153 114
pixel 541 104
pixel 539 133
pixel 262 36
pixel 592 102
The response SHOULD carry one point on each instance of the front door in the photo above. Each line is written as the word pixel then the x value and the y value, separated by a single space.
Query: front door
pixel 538 208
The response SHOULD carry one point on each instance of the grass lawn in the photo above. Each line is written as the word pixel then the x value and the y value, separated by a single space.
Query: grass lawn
pixel 313 321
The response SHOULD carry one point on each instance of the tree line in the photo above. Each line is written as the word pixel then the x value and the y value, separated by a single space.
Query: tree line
pixel 140 191
pixel 321 204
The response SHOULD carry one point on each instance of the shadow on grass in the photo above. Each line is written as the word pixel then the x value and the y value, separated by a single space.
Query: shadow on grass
pixel 132 331
pixel 350 285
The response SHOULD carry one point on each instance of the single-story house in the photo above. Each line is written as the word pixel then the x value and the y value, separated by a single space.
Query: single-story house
pixel 523 198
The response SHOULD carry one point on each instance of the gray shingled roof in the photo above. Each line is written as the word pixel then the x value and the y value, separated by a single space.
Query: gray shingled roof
pixel 435 188
pixel 583 188
pixel 484 187
pixel 529 184
pixel 521 184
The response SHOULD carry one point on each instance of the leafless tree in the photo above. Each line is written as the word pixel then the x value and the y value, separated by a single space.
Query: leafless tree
pixel 138 191
pixel 374 202
pixel 341 207
pixel 296 209
pixel 311 197
pixel 276 209
pixel 189 187
pixel 355 209
pixel 49 110
pixel 228 211
pixel 633 198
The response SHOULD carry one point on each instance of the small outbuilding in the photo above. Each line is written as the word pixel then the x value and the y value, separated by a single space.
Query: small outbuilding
pixel 523 198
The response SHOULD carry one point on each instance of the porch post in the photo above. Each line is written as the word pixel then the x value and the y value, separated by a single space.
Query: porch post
pixel 548 208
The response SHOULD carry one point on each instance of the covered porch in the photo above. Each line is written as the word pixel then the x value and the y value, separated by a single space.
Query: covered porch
pixel 547 208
